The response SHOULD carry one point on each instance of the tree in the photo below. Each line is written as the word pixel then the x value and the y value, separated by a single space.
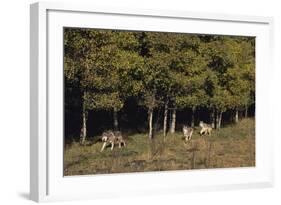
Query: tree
pixel 231 61
pixel 153 82
pixel 155 79
pixel 192 75
pixel 162 49
pixel 162 71
pixel 240 78
pixel 92 58
pixel 128 67
pixel 221 101
pixel 193 94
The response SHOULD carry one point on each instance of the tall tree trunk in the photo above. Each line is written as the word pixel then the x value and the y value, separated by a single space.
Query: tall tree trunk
pixel 170 120
pixel 219 116
pixel 246 111
pixel 236 116
pixel 115 119
pixel 150 121
pixel 173 124
pixel 213 119
pixel 192 116
pixel 83 133
pixel 165 120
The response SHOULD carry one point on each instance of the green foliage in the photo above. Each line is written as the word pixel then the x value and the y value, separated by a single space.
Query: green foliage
pixel 222 100
pixel 232 81
pixel 102 62
pixel 185 70
pixel 105 101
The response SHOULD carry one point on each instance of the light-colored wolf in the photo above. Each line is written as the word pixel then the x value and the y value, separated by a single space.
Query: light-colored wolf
pixel 187 132
pixel 205 128
pixel 112 138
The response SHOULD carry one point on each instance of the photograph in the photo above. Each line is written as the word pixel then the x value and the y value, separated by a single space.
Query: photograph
pixel 150 101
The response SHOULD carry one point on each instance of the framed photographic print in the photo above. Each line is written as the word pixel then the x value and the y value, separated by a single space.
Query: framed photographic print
pixel 131 102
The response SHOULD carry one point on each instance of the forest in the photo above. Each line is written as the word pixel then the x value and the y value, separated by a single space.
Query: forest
pixel 146 87
pixel 149 82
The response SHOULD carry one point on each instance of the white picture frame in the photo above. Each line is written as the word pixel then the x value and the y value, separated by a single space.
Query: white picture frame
pixel 47 182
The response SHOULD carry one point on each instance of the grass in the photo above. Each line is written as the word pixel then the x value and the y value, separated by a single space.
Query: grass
pixel 231 146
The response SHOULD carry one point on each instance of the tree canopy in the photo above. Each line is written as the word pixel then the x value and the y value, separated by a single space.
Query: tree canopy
pixel 173 71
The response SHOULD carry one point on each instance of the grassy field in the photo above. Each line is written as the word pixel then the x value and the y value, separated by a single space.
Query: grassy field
pixel 231 146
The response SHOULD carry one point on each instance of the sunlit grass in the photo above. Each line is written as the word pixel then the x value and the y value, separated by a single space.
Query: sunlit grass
pixel 231 146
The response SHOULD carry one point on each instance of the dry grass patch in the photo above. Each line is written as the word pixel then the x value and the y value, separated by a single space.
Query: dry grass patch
pixel 232 146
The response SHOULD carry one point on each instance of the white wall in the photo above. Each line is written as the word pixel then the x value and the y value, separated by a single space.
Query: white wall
pixel 14 100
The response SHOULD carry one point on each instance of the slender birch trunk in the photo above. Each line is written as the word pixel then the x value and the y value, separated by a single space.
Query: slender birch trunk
pixel 83 133
pixel 213 119
pixel 236 116
pixel 150 126
pixel 219 116
pixel 115 119
pixel 170 120
pixel 165 120
pixel 173 124
pixel 246 111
